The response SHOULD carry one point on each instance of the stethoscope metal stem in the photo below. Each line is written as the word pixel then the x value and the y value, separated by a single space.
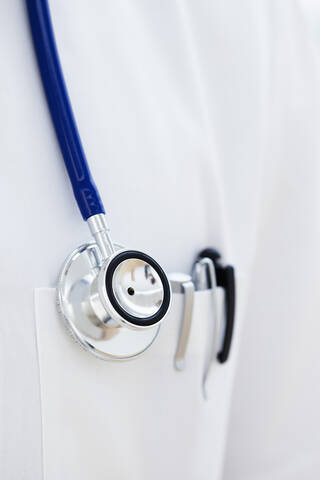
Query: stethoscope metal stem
pixel 101 233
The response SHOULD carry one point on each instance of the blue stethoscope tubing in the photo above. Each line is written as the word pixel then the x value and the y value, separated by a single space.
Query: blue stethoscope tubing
pixel 84 188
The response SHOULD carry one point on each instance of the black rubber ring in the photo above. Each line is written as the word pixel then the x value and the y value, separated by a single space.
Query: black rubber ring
pixel 141 322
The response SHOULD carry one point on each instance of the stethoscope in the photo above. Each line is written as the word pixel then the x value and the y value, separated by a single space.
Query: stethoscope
pixel 112 300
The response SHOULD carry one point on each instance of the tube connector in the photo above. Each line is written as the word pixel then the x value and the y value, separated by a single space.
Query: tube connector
pixel 101 233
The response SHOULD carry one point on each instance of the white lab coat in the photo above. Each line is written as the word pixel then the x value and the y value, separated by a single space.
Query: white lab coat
pixel 197 119
pixel 275 421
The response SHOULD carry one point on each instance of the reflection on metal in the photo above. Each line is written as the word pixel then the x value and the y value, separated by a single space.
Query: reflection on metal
pixel 101 233
pixel 204 278
pixel 138 288
pixel 181 283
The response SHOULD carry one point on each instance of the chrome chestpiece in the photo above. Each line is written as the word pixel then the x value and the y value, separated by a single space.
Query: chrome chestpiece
pixel 112 299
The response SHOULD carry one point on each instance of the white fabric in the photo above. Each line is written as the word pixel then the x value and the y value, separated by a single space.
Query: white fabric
pixel 200 122
pixel 138 419
pixel 275 423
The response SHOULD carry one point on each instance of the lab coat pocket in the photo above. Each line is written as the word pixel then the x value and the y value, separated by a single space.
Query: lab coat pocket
pixel 136 420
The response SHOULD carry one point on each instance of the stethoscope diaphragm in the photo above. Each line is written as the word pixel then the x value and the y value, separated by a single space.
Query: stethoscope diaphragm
pixel 113 307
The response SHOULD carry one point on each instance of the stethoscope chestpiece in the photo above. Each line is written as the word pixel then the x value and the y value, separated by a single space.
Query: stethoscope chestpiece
pixel 113 307
pixel 135 289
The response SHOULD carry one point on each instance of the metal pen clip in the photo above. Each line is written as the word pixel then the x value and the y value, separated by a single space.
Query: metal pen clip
pixel 182 283
pixel 204 278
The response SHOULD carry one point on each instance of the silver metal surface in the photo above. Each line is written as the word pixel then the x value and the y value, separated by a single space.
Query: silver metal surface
pixel 104 298
pixel 137 288
pixel 204 278
pixel 101 233
pixel 96 328
pixel 200 276
pixel 182 283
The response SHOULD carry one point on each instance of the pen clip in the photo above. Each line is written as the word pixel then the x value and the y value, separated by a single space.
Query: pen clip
pixel 226 279
pixel 182 283
pixel 204 277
